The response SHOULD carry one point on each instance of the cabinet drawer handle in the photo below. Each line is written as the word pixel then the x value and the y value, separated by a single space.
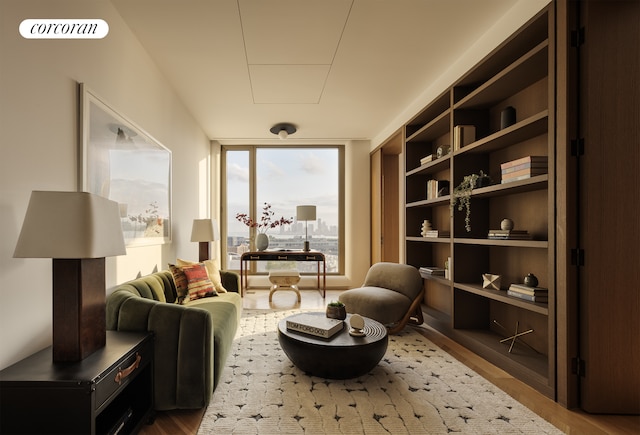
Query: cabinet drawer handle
pixel 254 257
pixel 123 374
pixel 280 257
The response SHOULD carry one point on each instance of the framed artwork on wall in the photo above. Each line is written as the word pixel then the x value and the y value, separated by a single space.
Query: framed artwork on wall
pixel 120 161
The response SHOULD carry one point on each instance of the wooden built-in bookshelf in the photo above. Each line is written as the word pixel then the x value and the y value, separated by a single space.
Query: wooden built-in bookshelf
pixel 520 74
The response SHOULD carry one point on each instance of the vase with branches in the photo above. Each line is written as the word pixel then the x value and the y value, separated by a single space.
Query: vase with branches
pixel 264 224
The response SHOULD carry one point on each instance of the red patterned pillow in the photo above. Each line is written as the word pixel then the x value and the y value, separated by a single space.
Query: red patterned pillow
pixel 198 282
pixel 180 281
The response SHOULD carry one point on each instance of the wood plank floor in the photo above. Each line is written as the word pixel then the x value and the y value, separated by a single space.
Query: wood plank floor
pixel 569 421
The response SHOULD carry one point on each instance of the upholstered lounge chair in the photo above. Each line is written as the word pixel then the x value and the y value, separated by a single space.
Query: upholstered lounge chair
pixel 391 294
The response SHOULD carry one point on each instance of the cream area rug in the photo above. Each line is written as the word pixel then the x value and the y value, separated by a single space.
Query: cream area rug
pixel 417 388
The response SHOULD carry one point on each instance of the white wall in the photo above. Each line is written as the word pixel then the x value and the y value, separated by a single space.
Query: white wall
pixel 38 143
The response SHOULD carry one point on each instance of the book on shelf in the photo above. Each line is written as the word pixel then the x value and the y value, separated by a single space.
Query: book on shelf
pixel 437 188
pixel 526 297
pixel 463 135
pixel 426 159
pixel 431 270
pixel 533 291
pixel 436 233
pixel 521 177
pixel 533 160
pixel 318 326
pixel 520 167
pixel 509 235
pixel 528 171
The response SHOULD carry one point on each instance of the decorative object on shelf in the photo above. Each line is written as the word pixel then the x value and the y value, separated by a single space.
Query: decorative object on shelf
pixel 463 135
pixel 531 280
pixel 306 213
pixel 515 336
pixel 443 150
pixel 491 281
pixel 204 231
pixel 77 230
pixel 462 195
pixel 447 268
pixel 356 321
pixel 426 227
pixel 283 130
pixel 336 310
pixel 507 117
pixel 263 225
pixel 506 224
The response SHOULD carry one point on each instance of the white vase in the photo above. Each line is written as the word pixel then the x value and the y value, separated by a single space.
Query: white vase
pixel 262 242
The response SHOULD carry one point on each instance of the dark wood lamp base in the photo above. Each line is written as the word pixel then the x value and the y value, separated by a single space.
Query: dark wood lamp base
pixel 79 323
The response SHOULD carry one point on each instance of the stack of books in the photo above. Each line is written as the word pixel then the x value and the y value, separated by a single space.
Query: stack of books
pixel 318 326
pixel 531 294
pixel 436 233
pixel 426 159
pixel 524 168
pixel 436 188
pixel 463 135
pixel 427 271
pixel 509 235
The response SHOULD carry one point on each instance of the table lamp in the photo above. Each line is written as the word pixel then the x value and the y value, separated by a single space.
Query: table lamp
pixel 204 231
pixel 77 230
pixel 306 213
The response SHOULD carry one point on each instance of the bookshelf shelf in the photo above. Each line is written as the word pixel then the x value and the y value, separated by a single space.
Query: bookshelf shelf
pixel 441 200
pixel 501 296
pixel 429 239
pixel 539 244
pixel 528 69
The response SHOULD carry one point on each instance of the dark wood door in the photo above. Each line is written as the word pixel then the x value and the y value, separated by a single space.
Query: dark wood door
pixel 609 204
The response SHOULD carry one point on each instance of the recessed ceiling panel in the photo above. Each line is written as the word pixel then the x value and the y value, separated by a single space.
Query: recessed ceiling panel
pixel 292 31
pixel 287 84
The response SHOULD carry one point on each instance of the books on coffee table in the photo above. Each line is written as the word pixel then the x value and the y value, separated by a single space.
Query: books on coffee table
pixel 319 326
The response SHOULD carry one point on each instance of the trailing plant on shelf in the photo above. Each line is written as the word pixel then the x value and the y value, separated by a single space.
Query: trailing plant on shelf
pixel 462 194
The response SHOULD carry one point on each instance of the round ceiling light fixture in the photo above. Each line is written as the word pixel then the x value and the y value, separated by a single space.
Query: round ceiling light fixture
pixel 283 130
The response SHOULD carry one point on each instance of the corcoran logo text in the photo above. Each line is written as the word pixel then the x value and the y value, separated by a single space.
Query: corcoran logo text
pixel 64 29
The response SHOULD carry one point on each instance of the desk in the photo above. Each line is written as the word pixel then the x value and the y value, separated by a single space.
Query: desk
pixel 283 256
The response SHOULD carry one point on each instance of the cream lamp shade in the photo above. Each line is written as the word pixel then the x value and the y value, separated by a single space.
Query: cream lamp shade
pixel 306 212
pixel 70 225
pixel 204 230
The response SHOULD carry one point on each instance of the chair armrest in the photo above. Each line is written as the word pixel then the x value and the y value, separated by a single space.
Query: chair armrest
pixel 230 280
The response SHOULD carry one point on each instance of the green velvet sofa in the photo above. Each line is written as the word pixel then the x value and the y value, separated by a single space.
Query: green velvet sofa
pixel 192 341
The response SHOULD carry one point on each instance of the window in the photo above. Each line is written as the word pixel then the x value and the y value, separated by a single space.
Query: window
pixel 284 177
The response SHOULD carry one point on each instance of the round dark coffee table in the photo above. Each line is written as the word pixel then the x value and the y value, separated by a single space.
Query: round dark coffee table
pixel 339 357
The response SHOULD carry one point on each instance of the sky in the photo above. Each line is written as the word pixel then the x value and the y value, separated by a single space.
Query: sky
pixel 286 178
